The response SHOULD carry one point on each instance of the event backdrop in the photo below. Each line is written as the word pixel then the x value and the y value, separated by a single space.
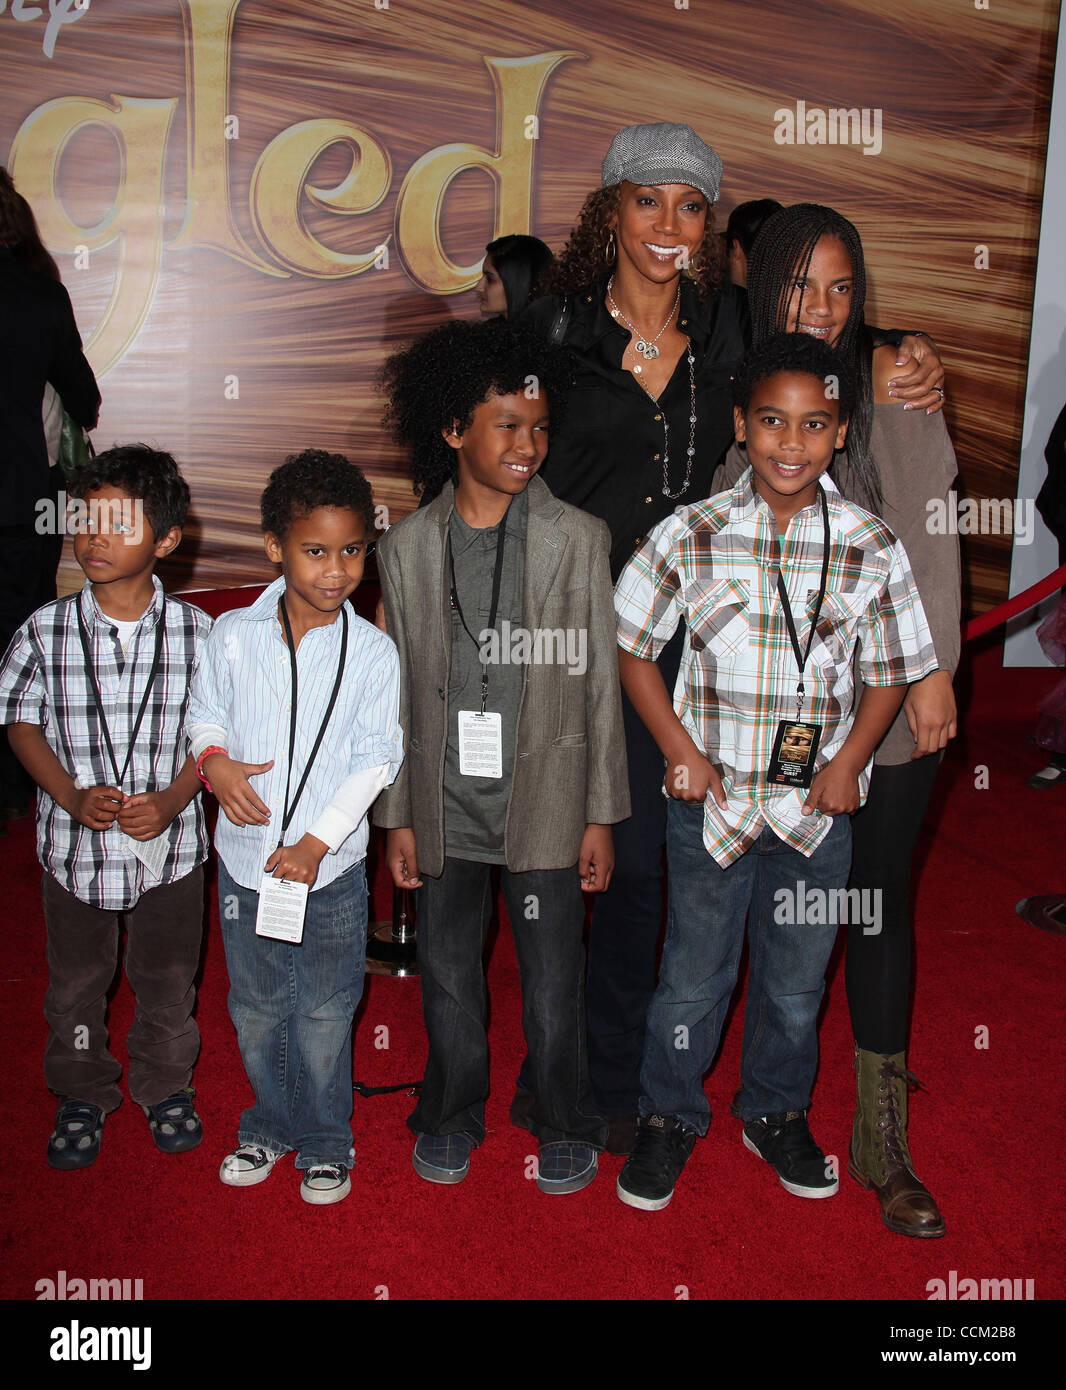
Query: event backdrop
pixel 252 202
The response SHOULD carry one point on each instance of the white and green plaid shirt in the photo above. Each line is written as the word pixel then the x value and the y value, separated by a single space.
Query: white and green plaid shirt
pixel 714 565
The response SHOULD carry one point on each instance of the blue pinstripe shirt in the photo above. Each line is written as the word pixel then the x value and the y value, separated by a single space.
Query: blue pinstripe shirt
pixel 43 681
pixel 243 688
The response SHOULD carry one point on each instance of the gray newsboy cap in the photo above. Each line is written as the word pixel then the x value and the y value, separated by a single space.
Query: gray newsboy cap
pixel 663 153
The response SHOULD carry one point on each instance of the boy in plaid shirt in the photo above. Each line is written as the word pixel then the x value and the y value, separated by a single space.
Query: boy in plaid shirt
pixel 776 582
pixel 94 689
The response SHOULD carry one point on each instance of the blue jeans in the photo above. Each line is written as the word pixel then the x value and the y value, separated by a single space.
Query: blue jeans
pixel 704 936
pixel 292 1007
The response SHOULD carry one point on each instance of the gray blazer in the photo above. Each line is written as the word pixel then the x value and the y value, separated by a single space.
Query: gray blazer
pixel 570 766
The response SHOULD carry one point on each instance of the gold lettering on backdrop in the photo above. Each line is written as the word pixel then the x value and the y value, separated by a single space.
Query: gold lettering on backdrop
pixel 278 185
pixel 518 84
pixel 209 219
pixel 140 126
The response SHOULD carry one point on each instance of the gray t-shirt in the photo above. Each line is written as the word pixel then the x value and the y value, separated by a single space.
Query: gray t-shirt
pixel 475 808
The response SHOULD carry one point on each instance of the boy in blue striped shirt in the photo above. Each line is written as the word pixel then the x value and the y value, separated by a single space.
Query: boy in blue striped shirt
pixel 293 723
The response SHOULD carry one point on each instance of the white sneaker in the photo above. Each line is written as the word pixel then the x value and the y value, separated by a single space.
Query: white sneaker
pixel 247 1165
pixel 325 1183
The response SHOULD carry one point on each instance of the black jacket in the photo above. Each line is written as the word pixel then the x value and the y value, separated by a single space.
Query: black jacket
pixel 39 343
pixel 606 457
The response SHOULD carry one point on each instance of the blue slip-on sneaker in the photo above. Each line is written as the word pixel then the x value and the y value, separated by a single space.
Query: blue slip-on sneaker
pixel 443 1158
pixel 566 1166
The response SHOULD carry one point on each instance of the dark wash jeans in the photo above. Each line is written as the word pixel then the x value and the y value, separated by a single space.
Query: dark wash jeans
pixel 786 972
pixel 453 915
pixel 628 918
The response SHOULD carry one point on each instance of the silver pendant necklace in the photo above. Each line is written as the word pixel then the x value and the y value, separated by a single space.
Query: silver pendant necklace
pixel 646 348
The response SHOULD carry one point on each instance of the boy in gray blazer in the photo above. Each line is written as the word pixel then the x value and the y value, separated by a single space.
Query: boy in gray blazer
pixel 499 599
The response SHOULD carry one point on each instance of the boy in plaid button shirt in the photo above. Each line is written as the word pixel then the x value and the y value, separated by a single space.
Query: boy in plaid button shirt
pixel 740 845
pixel 120 828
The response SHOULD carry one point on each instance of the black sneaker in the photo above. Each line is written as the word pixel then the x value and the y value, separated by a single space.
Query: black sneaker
pixel 786 1144
pixel 661 1151
pixel 75 1140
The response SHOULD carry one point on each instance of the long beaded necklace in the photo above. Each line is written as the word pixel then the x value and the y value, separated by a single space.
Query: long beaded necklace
pixel 648 351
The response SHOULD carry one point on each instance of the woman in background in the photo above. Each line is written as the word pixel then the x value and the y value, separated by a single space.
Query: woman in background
pixel 39 344
pixel 512 267
pixel 745 223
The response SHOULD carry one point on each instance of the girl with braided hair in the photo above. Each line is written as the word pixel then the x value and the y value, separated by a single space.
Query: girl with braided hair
pixel 807 274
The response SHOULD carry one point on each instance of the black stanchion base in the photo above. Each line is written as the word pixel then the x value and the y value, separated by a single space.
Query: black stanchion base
pixel 391 947
pixel 387 956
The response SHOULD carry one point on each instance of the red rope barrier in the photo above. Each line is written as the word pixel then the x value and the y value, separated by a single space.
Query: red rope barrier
pixel 1028 598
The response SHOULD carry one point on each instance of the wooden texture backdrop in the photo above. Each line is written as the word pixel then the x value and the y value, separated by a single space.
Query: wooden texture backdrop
pixel 164 144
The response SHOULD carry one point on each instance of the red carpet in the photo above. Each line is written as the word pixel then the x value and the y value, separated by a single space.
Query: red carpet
pixel 985 1135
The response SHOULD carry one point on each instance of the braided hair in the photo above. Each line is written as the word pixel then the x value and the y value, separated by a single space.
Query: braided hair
pixel 780 257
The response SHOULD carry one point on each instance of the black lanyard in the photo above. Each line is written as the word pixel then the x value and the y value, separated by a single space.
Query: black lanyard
pixel 90 671
pixel 497 576
pixel 290 807
pixel 801 657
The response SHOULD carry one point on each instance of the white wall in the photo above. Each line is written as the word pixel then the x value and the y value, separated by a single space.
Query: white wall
pixel 1045 392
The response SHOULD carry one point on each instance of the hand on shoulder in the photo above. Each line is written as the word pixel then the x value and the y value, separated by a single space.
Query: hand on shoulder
pixel 883 367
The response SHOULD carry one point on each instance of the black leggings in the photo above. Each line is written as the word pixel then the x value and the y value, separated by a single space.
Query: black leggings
pixel 878 967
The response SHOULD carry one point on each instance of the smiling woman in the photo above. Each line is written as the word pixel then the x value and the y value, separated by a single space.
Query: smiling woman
pixel 639 298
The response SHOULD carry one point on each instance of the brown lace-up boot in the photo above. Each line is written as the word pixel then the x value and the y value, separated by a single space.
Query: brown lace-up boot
pixel 879 1157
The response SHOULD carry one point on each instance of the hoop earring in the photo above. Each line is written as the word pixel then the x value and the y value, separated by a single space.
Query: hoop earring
pixel 610 251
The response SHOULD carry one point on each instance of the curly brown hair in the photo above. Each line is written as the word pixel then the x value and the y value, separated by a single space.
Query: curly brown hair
pixel 582 260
